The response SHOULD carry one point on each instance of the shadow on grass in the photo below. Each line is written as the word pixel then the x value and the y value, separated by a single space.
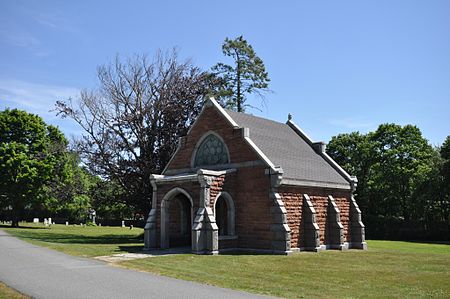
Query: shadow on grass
pixel 430 242
pixel 132 248
pixel 443 242
pixel 22 227
pixel 65 238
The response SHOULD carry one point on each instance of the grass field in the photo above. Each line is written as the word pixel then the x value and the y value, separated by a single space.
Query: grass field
pixel 389 269
pixel 87 241
pixel 8 293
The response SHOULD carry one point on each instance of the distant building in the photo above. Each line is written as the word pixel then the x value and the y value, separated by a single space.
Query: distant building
pixel 240 182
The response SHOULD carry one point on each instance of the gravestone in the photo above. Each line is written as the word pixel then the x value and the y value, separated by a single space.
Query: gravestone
pixel 35 220
pixel 92 215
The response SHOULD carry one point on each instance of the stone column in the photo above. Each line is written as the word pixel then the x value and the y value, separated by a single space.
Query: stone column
pixel 334 228
pixel 357 228
pixel 205 233
pixel 150 225
pixel 311 236
pixel 281 242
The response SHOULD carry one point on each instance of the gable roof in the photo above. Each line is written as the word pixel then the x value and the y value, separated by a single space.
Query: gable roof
pixel 286 146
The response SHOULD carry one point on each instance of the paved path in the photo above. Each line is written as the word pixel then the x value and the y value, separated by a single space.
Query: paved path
pixel 45 273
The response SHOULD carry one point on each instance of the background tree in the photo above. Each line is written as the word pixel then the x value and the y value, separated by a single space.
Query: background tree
pixel 104 200
pixel 133 120
pixel 444 198
pixel 248 74
pixel 354 152
pixel 69 190
pixel 29 153
pixel 399 176
pixel 403 161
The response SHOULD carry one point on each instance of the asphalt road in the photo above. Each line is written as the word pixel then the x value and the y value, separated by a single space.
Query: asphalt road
pixel 44 273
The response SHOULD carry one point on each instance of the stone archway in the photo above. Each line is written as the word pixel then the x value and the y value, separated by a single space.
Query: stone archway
pixel 176 218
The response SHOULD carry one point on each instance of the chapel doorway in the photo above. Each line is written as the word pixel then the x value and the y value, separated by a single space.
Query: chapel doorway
pixel 176 221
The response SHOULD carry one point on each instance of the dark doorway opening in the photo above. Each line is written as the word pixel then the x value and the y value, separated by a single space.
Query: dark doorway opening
pixel 222 216
pixel 180 221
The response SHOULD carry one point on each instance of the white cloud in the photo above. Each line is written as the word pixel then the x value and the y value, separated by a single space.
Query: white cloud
pixel 20 39
pixel 38 99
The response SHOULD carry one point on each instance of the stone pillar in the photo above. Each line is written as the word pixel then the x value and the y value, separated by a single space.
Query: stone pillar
pixel 150 225
pixel 357 228
pixel 281 233
pixel 334 229
pixel 150 231
pixel 311 236
pixel 205 233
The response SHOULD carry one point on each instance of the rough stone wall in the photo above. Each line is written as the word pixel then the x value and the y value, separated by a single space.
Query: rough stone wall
pixel 217 187
pixel 320 203
pixel 293 202
pixel 344 207
pixel 249 188
pixel 292 197
pixel 252 202
pixel 212 120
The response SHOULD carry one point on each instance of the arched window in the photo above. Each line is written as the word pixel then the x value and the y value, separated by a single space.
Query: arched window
pixel 224 211
pixel 212 151
pixel 221 216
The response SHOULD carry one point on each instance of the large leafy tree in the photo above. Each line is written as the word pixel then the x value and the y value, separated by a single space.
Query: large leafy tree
pixel 247 75
pixel 403 161
pixel 393 165
pixel 69 190
pixel 29 153
pixel 444 197
pixel 133 120
pixel 354 152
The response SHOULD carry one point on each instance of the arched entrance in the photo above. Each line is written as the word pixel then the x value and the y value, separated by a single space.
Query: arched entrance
pixel 176 219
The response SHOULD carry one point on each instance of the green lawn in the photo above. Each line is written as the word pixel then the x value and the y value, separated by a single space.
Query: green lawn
pixel 388 269
pixel 77 240
pixel 8 293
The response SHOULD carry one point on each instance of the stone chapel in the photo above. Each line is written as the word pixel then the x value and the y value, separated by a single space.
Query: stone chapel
pixel 238 182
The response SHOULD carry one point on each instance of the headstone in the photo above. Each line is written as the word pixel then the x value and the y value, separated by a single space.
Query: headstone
pixel 35 220
pixel 99 224
pixel 49 220
pixel 81 224
pixel 123 223
pixel 92 215
pixel 45 222
pixel 67 223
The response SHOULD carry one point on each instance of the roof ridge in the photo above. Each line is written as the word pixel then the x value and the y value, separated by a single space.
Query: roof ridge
pixel 255 116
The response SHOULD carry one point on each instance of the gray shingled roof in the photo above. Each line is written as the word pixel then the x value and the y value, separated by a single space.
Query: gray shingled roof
pixel 285 148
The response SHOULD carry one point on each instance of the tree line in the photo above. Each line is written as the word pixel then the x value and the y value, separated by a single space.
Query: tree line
pixel 403 182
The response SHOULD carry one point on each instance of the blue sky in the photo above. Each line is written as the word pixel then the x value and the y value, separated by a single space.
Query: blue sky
pixel 336 66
